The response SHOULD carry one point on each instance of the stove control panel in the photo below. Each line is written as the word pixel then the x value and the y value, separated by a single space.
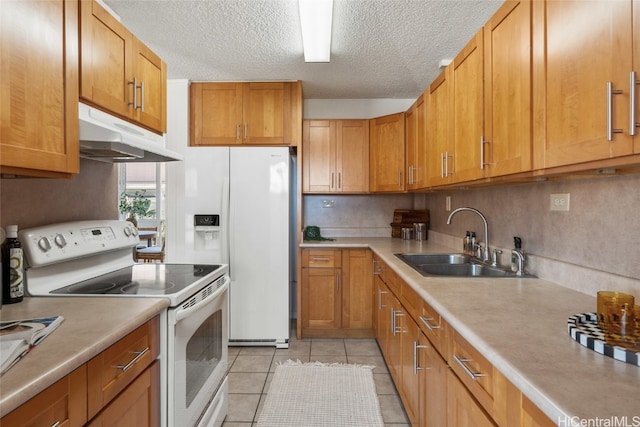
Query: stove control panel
pixel 56 243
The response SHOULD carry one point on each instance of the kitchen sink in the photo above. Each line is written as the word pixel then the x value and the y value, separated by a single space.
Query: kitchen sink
pixel 455 265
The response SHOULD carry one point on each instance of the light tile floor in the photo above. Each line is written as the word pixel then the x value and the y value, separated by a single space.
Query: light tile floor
pixel 251 370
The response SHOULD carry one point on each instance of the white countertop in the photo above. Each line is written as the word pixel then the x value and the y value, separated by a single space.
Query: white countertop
pixel 90 326
pixel 520 325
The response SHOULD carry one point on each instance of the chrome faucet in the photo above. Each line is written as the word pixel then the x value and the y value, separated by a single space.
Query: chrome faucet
pixel 487 251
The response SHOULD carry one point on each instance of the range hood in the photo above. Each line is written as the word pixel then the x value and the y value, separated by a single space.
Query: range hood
pixel 107 138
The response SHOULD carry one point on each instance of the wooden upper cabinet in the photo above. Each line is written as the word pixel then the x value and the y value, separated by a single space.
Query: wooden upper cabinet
pixel 579 49
pixel 416 145
pixel 438 133
pixel 467 113
pixel 386 167
pixel 507 90
pixel 336 156
pixel 255 113
pixel 39 88
pixel 118 72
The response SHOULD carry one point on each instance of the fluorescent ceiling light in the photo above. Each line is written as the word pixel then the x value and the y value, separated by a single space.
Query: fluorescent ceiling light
pixel 315 20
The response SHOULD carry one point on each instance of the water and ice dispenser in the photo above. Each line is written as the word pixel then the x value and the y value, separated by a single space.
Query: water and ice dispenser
pixel 207 232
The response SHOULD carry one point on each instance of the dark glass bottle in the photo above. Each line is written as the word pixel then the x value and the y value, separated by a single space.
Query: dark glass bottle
pixel 12 267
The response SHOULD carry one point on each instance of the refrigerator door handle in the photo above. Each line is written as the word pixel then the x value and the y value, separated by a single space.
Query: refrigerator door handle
pixel 226 225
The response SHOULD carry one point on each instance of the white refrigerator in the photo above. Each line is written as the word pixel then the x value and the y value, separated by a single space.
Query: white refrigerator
pixel 249 189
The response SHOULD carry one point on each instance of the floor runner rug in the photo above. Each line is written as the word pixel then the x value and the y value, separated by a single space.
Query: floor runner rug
pixel 319 394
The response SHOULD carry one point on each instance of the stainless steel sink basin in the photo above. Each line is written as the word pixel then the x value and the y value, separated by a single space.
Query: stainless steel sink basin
pixel 456 265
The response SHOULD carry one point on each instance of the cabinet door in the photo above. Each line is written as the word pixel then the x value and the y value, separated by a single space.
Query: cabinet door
pixel 151 72
pixel 438 130
pixel 433 386
pixel 64 403
pixel 571 95
pixel 463 410
pixel 106 68
pixel 467 112
pixel 39 88
pixel 319 156
pixel 357 289
pixel 382 310
pixel 410 389
pixel 416 144
pixel 387 153
pixel 352 162
pixel 137 405
pixel 507 88
pixel 216 114
pixel 267 113
pixel 320 298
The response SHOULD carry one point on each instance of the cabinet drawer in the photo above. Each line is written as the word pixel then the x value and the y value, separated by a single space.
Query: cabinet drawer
pixel 62 403
pixel 473 369
pixel 115 368
pixel 433 326
pixel 410 300
pixel 321 258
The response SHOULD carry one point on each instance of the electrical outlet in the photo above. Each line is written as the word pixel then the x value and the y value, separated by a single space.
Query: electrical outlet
pixel 559 202
pixel 448 203
pixel 328 203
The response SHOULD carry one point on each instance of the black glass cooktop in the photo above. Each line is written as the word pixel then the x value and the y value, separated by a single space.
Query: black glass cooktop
pixel 143 279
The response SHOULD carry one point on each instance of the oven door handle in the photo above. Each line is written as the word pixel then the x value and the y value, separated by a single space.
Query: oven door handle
pixel 186 312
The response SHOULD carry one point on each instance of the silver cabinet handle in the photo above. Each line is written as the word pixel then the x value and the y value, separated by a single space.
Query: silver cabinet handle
pixel 320 259
pixel 462 362
pixel 246 129
pixel 394 325
pixel 56 424
pixel 332 180
pixel 142 97
pixel 425 321
pixel 135 93
pixel 339 180
pixel 238 131
pixel 610 92
pixel 417 368
pixel 139 355
pixel 633 82
pixel 482 162
pixel 380 304
pixel 446 164
pixel 441 165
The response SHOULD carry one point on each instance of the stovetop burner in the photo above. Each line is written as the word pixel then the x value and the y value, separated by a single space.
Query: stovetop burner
pixel 142 280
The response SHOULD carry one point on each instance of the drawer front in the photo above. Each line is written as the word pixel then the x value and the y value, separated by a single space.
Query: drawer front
pixel 115 368
pixel 473 370
pixel 313 258
pixel 434 327
pixel 410 300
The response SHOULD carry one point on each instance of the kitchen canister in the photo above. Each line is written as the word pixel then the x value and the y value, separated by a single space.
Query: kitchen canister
pixel 407 233
pixel 420 230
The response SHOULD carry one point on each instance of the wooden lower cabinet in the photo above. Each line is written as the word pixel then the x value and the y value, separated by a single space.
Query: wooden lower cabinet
pixel 64 403
pixel 462 408
pixel 336 293
pixel 136 405
pixel 118 387
pixel 441 378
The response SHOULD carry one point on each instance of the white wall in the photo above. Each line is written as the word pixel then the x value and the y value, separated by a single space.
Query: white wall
pixel 353 108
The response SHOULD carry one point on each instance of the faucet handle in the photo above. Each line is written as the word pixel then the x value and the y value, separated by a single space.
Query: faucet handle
pixel 494 257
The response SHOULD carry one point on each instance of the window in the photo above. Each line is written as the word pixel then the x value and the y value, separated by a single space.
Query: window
pixel 148 178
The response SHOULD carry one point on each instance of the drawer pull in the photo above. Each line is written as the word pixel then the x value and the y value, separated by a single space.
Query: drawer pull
pixel 425 321
pixel 56 424
pixel 139 355
pixel 417 368
pixel 320 259
pixel 380 304
pixel 462 362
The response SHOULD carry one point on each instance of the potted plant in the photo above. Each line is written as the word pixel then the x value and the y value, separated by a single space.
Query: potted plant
pixel 135 206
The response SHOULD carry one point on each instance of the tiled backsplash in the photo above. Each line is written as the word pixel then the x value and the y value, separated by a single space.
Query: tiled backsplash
pixel 591 247
pixel 30 202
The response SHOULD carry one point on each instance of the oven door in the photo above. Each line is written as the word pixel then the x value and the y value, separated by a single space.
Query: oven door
pixel 197 347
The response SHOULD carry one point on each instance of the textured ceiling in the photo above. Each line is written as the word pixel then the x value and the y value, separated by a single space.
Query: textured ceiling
pixel 379 49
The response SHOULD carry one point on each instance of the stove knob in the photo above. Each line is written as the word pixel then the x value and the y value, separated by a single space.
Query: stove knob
pixel 44 244
pixel 61 242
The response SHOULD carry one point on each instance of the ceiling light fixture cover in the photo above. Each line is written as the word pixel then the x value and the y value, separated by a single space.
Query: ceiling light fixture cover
pixel 315 20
